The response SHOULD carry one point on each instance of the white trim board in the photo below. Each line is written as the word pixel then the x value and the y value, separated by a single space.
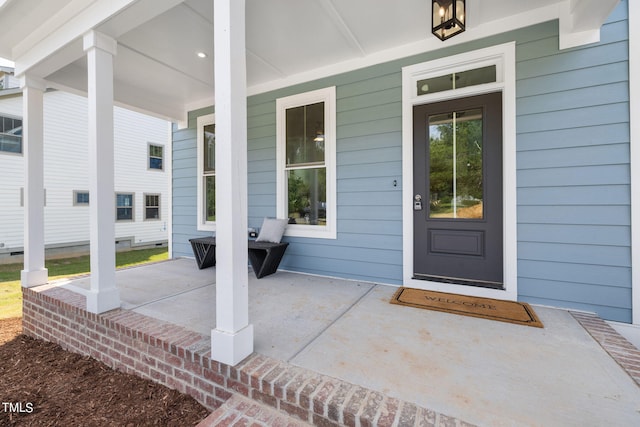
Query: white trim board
pixel 504 57
pixel 634 129
pixel 201 122
pixel 328 96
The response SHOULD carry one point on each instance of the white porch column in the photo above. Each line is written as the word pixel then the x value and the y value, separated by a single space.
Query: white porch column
pixel 232 339
pixel 103 295
pixel 34 272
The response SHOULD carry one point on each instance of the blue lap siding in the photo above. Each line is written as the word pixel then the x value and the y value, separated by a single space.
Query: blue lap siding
pixel 573 184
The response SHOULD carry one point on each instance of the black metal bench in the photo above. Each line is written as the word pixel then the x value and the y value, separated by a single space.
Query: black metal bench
pixel 264 257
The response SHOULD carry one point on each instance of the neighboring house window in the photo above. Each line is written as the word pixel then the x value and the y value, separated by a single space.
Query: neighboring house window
pixel 124 207
pixel 206 142
pixel 80 198
pixel 151 206
pixel 10 135
pixel 306 163
pixel 156 156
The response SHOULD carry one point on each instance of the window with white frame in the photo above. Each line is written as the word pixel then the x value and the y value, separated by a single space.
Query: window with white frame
pixel 206 145
pixel 306 163
pixel 10 135
pixel 80 198
pixel 151 207
pixel 124 206
pixel 156 157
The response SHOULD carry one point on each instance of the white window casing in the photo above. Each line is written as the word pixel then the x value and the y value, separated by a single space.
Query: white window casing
pixel 328 97
pixel 203 224
pixel 124 196
pixel 152 154
pixel 81 198
pixel 152 203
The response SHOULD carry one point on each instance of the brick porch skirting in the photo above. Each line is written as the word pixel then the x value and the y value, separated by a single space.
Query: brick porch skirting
pixel 621 350
pixel 180 359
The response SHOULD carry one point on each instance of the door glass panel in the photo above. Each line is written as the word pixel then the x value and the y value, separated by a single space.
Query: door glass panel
pixel 455 165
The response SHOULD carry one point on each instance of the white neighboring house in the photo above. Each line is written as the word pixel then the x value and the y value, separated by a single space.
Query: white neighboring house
pixel 141 175
pixel 7 79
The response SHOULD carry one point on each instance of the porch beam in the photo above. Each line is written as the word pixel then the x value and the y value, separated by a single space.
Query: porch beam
pixel 34 272
pixel 232 339
pixel 103 294
pixel 115 17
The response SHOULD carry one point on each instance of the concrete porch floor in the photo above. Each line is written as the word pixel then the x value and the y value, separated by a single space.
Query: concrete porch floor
pixel 484 372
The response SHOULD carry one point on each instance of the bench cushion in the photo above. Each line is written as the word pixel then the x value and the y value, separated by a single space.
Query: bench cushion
pixel 272 230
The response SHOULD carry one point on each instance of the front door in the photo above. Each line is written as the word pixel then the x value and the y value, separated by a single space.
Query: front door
pixel 457 165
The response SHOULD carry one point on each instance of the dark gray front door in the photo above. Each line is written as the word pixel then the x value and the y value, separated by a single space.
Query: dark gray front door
pixel 457 147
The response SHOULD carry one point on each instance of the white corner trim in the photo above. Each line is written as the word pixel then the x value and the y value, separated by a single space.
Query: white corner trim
pixel 202 121
pixel 504 57
pixel 634 127
pixel 168 163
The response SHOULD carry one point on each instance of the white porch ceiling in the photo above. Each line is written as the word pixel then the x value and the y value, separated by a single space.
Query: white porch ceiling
pixel 288 41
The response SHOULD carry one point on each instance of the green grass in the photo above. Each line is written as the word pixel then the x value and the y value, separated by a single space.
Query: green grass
pixel 11 294
pixel 10 299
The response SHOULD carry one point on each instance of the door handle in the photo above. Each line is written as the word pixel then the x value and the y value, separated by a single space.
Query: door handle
pixel 417 202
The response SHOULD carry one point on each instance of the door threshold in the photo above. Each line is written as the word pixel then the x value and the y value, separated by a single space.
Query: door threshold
pixel 460 281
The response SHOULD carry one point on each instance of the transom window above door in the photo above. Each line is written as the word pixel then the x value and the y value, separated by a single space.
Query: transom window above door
pixel 457 80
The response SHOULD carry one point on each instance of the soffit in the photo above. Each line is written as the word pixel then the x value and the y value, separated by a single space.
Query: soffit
pixel 288 41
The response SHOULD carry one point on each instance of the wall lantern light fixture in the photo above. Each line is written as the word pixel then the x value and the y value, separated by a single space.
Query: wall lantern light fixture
pixel 447 18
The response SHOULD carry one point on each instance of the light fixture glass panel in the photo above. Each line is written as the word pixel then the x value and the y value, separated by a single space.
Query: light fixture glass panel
pixel 460 11
pixel 448 18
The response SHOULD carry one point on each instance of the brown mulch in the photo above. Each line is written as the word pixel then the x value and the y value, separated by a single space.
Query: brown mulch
pixel 43 385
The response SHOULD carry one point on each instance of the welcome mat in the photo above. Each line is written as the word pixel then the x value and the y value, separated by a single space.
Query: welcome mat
pixel 486 308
